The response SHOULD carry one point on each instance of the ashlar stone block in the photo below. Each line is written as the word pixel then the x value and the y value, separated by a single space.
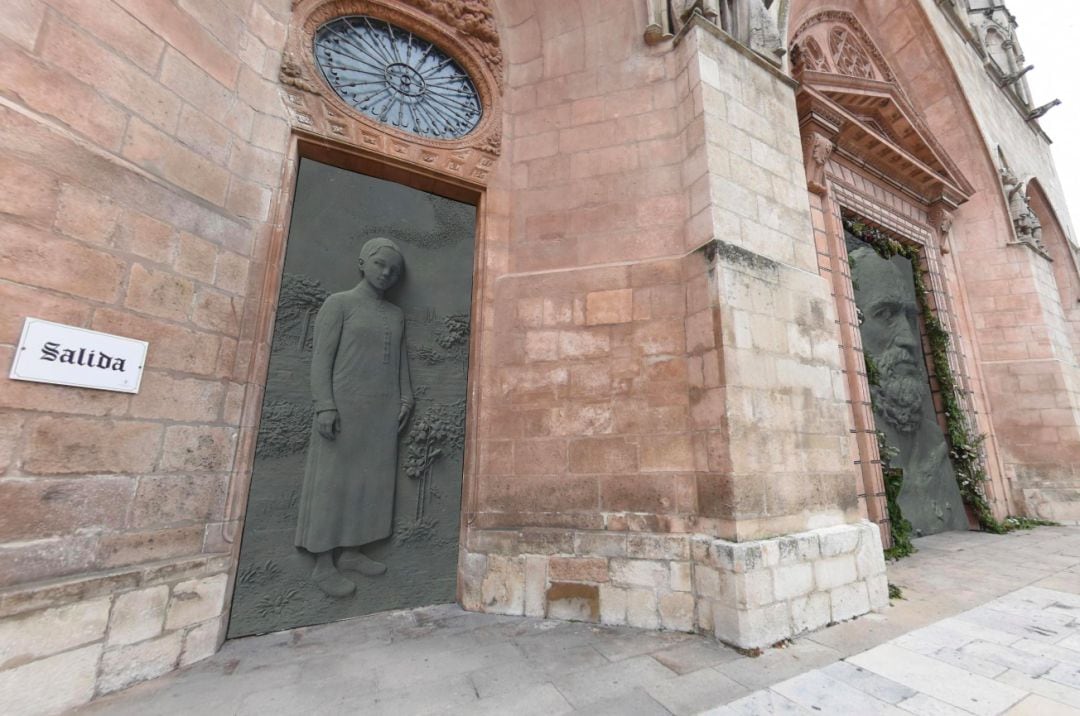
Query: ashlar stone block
pixel 502 589
pixel 754 589
pixel 200 642
pixel 573 601
pixel 126 665
pixel 835 571
pixel 639 572
pixel 849 601
pixel 706 582
pixel 677 611
pixel 52 631
pixel 681 576
pixel 878 590
pixel 869 556
pixel 641 609
pixel 803 547
pixel 195 601
pixel 810 612
pixel 842 539
pixel 613 602
pixel 138 615
pixel 757 627
pixel 52 685
pixel 793 580
pixel 471 575
pixel 535 585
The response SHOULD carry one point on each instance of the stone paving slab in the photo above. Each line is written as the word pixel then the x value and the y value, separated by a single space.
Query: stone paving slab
pixel 989 625
pixel 940 669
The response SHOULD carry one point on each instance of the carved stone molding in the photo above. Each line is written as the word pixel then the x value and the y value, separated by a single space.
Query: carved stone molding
pixel 474 23
pixel 292 73
pixel 464 29
pixel 846 82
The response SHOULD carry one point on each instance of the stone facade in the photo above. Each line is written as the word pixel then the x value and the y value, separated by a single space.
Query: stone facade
pixel 668 422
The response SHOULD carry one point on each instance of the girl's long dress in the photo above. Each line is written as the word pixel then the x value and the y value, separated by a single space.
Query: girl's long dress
pixel 359 368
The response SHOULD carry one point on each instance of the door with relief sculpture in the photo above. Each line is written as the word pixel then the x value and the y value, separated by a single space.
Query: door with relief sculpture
pixel 355 496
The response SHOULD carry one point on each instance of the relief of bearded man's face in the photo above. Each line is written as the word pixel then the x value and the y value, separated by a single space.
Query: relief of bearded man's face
pixel 890 333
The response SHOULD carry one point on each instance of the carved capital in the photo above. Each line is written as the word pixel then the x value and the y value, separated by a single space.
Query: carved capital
pixel 817 148
pixel 941 220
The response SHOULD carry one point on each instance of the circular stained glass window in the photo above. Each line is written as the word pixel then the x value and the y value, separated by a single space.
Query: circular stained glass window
pixel 397 78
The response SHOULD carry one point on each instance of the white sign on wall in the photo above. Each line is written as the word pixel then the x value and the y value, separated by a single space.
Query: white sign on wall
pixel 65 355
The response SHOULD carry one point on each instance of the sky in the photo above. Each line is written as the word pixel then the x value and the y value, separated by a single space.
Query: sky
pixel 1049 33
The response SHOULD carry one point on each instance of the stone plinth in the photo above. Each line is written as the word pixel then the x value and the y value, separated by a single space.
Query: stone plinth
pixel 66 642
pixel 748 594
pixel 754 594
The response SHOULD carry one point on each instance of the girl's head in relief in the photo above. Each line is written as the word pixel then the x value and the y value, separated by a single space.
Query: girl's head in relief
pixel 381 264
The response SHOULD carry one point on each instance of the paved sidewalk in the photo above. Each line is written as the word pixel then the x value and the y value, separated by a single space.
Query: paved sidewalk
pixel 989 624
pixel 1019 654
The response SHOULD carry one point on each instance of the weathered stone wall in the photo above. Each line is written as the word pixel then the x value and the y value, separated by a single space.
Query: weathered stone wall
pixel 1023 313
pixel 661 363
pixel 142 145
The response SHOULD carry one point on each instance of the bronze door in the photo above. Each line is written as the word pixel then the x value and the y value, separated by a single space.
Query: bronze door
pixel 355 494
pixel 914 447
